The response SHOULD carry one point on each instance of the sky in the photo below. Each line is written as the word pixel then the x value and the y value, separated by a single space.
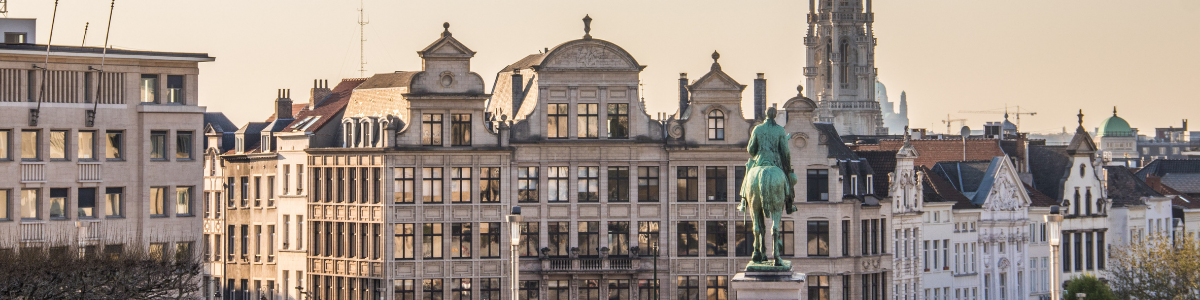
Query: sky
pixel 1049 57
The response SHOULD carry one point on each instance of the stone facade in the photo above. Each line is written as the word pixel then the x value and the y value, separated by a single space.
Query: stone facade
pixel 840 68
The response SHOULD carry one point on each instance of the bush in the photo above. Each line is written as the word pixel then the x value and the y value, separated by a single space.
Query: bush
pixel 119 272
pixel 1090 285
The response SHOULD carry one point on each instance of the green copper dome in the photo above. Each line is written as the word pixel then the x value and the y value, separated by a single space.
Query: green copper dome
pixel 1115 126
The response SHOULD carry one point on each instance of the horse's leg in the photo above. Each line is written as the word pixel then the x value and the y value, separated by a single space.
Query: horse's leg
pixel 756 217
pixel 778 233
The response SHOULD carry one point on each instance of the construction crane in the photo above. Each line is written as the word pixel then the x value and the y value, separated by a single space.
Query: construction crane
pixel 948 120
pixel 1004 111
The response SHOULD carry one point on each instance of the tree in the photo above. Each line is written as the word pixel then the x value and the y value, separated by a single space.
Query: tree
pixel 1090 285
pixel 120 271
pixel 1156 267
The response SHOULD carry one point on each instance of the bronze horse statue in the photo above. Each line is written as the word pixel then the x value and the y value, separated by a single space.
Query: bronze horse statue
pixel 767 189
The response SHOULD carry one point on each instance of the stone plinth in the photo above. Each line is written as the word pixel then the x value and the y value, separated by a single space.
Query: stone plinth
pixel 776 283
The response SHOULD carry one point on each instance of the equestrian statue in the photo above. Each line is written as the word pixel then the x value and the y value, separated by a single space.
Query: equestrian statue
pixel 767 192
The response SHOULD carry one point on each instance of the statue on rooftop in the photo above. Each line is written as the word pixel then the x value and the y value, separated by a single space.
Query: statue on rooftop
pixel 767 192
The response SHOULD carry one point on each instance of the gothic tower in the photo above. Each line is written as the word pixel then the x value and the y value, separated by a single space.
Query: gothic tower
pixel 840 68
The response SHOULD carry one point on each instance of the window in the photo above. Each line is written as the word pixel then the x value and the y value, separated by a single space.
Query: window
pixel 558 290
pixel 114 202
pixel 460 185
pixel 587 118
pixel 716 125
pixel 158 145
pixel 618 184
pixel 489 239
pixel 257 188
pixel 527 184
pixel 58 203
pixel 270 191
pixel 618 238
pixel 589 289
pixel 557 183
pixel 14 38
pixel 1100 245
pixel 528 290
pixel 431 240
pixel 647 184
pixel 688 243
pixel 558 236
pixel 717 238
pixel 648 289
pixel 5 145
pixel 1088 246
pixel 530 239
pixel 715 179
pixel 743 235
pixel 299 179
pixel 4 205
pixel 403 185
pixel 86 146
pixel 183 203
pixel 157 251
pixel 589 238
pixel 431 129
pixel 460 130
pixel 818 288
pixel 404 240
pixel 589 184
pixel 788 233
pixel 31 145
pixel 489 185
pixel 183 250
pixel 183 145
pixel 648 237
pixel 431 289
pixel 489 288
pixel 618 121
pixel 86 203
pixel 149 88
pixel 739 174
pixel 460 240
pixel 687 187
pixel 175 89
pixel 818 238
pixel 818 185
pixel 618 289
pixel 431 185
pixel 689 287
pixel 556 120
pixel 113 144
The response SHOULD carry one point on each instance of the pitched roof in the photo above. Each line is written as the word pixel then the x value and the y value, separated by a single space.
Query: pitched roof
pixel 296 109
pixel 1162 167
pixel 526 62
pixel 219 122
pixel 1125 189
pixel 938 189
pixel 1179 198
pixel 936 150
pixel 833 141
pixel 312 120
pixel 388 80
pixel 1038 199
pixel 965 176
pixel 882 162
pixel 1049 166
pixel 1081 143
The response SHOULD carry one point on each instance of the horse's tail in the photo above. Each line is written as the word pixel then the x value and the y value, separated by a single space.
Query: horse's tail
pixel 770 185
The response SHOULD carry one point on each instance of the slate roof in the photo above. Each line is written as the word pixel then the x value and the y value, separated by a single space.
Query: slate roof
pixel 1049 166
pixel 100 50
pixel 1162 167
pixel 1189 201
pixel 1125 189
pixel 1081 142
pixel 934 150
pixel 526 62
pixel 883 163
pixel 1183 182
pixel 938 189
pixel 965 176
pixel 388 80
pixel 1038 199
pixel 327 108
pixel 219 122
pixel 837 149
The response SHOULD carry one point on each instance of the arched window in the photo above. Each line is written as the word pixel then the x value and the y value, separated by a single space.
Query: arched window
pixel 1082 170
pixel 716 125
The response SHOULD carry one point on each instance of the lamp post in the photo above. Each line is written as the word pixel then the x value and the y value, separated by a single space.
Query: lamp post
pixel 657 286
pixel 1053 221
pixel 514 226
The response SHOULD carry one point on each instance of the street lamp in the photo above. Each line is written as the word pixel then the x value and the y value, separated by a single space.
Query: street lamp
pixel 1053 221
pixel 514 226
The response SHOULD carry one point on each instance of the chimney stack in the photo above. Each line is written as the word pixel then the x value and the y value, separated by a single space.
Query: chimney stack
pixel 683 93
pixel 518 91
pixel 760 98
pixel 283 104
pixel 319 91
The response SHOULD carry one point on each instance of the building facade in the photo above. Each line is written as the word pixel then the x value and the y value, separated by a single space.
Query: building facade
pixel 840 66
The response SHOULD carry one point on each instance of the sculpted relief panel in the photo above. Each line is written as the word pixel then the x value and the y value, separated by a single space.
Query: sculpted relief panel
pixel 589 57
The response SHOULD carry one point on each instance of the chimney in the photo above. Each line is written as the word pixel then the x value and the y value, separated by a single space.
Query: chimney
pixel 320 90
pixel 283 104
pixel 760 97
pixel 518 91
pixel 683 93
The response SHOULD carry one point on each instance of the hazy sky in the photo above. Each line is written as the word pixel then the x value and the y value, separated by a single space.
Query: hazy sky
pixel 1052 57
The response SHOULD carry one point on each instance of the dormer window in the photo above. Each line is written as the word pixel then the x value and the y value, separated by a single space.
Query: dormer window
pixel 265 143
pixel 716 125
pixel 240 144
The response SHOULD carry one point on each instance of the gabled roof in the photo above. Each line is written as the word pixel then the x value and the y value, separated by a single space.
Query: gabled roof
pixel 716 79
pixel 388 80
pixel 1038 199
pixel 526 62
pixel 1162 167
pixel 1125 189
pixel 938 189
pixel 1081 143
pixel 446 47
pixel 1049 166
pixel 936 150
pixel 882 162
pixel 833 141
pixel 313 120
pixel 219 122
pixel 964 176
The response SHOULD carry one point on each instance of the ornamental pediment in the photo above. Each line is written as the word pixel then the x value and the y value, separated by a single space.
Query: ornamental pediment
pixel 590 54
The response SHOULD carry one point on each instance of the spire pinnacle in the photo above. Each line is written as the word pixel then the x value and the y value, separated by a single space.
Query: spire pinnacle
pixel 1114 111
pixel 716 56
pixel 587 27
pixel 446 29
pixel 1080 115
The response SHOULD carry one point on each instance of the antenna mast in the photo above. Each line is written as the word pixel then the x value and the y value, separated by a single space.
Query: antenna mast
pixel 362 24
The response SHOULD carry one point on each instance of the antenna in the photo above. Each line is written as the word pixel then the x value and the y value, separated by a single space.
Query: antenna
pixel 4 8
pixel 90 118
pixel 85 27
pixel 33 113
pixel 362 25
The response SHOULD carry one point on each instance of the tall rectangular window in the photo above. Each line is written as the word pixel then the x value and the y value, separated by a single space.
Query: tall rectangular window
pixel 618 120
pixel 183 145
pixel 1088 246
pixel 461 289
pixel 618 237
pixel 688 243
pixel 558 236
pixel 787 231
pixel 183 201
pixel 404 185
pixel 405 241
pixel 647 184
pixel 530 290
pixel 688 287
pixel 31 145
pixel 175 89
pixel 86 146
pixel 715 180
pixel 818 288
pixel 4 204
pixel 648 237
pixel 718 287
pixel 5 144
pixel 589 184
pixel 158 202
pixel 618 184
pixel 739 174
pixel 845 237
pixel 299 179
pixel 402 289
pixel 113 144
pixel 818 238
pixel 648 289
pixel 432 289
pixel 431 240
pixel 431 129
pixel 618 289
pixel 31 204
pixel 270 191
pixel 743 236
pixel 149 88
pixel 460 240
pixel 589 289
pixel 257 188
pixel 158 145
pixel 1078 243
pixel 460 185
pixel 717 238
pixel 489 288
pixel 556 120
pixel 587 119
pixel 58 203
pixel 530 239
pixel 557 180
pixel 431 185
pixel 489 185
pixel 114 202
pixel 58 144
pixel 818 185
pixel 687 187
pixel 1100 247
pixel 589 238
pixel 558 289
pixel 527 184
pixel 489 239
pixel 460 129
pixel 86 206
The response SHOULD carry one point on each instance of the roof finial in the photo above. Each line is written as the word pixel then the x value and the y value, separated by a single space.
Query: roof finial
pixel 715 57
pixel 1080 117
pixel 1114 111
pixel 800 90
pixel 446 29
pixel 907 137
pixel 587 27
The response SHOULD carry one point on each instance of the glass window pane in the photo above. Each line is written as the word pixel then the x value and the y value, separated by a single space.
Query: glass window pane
pixel 149 88
pixel 58 144
pixel 29 204
pixel 183 197
pixel 175 89
pixel 58 203
pixel 4 145
pixel 158 147
pixel 113 201
pixel 113 145
pixel 85 145
pixel 87 202
pixel 183 145
pixel 30 145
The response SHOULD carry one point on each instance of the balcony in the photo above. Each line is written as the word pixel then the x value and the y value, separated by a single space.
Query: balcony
pixel 588 265
pixel 33 232
pixel 33 172
pixel 90 172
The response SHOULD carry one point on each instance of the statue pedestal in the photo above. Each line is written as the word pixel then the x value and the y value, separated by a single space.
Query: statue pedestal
pixel 769 283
